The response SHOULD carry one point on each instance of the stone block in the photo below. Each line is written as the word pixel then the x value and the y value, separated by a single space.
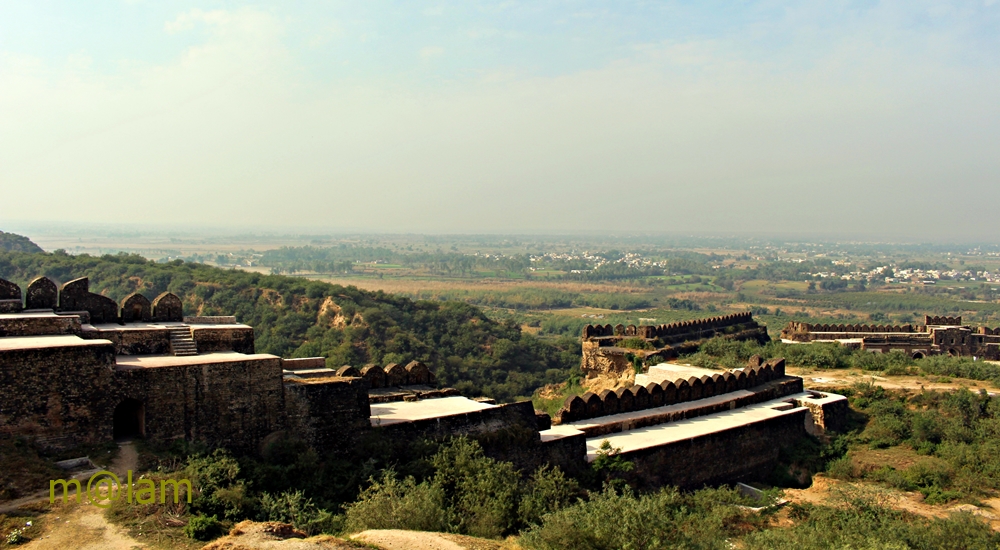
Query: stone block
pixel 655 394
pixel 544 421
pixel 76 296
pixel 731 382
pixel 576 407
pixel 626 401
pixel 395 374
pixel 9 291
pixel 375 376
pixel 168 308
pixel 41 294
pixel 610 404
pixel 136 308
pixel 683 391
pixel 640 396
pixel 418 373
pixel 669 393
pixel 778 366
pixel 708 386
pixel 595 407
pixel 348 371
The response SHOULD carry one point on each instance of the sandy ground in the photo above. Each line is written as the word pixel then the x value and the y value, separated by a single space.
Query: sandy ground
pixel 83 527
pixel 839 378
pixel 394 539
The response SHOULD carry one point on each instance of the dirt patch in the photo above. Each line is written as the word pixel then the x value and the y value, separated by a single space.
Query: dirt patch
pixel 251 535
pixel 552 391
pixel 839 378
pixel 395 539
pixel 83 527
pixel 127 459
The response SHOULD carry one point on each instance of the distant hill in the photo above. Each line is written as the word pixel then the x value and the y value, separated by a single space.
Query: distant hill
pixel 295 317
pixel 13 242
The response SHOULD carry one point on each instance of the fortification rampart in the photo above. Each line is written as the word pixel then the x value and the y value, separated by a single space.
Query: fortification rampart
pixel 75 297
pixel 77 371
pixel 328 414
pixel 58 395
pixel 635 398
pixel 395 374
pixel 234 403
pixel 683 329
pixel 605 363
pixel 935 320
pixel 745 452
pixel 939 335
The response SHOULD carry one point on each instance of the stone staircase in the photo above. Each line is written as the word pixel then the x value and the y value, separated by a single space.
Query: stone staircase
pixel 181 343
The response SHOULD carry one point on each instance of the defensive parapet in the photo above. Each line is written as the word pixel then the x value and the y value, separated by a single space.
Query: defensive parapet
pixel 412 374
pixel 942 321
pixel 605 362
pixel 803 332
pixel 682 328
pixel 75 297
pixel 635 398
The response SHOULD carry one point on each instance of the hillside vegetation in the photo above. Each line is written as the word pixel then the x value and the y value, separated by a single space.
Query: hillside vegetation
pixel 300 318
pixel 13 242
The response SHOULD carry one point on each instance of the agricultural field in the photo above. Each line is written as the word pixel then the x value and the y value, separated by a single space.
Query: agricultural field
pixel 553 285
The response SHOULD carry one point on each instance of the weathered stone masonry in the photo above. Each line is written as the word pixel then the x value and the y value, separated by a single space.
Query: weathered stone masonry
pixel 605 359
pixel 76 368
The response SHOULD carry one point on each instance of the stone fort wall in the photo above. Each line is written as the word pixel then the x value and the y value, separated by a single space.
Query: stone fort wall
pixel 233 404
pixel 637 398
pixel 605 364
pixel 58 396
pixel 684 329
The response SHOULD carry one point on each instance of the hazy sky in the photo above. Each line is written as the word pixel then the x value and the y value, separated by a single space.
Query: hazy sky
pixel 505 116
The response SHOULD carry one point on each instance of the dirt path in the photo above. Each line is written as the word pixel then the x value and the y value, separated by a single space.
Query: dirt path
pixel 395 539
pixel 82 527
pixel 127 459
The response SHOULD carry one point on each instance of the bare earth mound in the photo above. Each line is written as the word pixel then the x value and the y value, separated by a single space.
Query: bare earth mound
pixel 251 535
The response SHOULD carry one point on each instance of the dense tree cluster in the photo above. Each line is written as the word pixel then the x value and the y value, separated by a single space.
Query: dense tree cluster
pixel 12 242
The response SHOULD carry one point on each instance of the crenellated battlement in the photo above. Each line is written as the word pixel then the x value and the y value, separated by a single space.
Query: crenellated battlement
pixel 942 321
pixel 938 335
pixel 393 374
pixel 796 327
pixel 75 297
pixel 637 398
pixel 672 329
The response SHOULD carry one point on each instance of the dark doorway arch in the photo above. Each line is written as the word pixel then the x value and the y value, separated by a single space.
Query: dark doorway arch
pixel 129 420
pixel 954 353
pixel 918 355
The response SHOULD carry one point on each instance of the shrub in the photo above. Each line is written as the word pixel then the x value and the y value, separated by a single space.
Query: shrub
pixel 548 490
pixel 865 519
pixel 665 519
pixel 203 527
pixel 294 508
pixel 391 503
pixel 220 491
pixel 842 468
pixel 480 493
